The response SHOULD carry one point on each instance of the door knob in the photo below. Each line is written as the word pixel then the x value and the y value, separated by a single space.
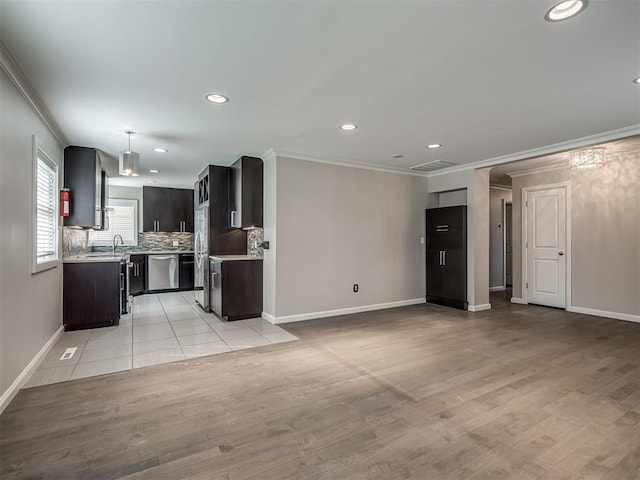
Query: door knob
pixel 560 253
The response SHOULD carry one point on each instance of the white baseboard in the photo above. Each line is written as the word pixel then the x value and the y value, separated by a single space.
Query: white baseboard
pixel 518 300
pixel 341 311
pixel 479 308
pixel 602 313
pixel 25 375
pixel 497 289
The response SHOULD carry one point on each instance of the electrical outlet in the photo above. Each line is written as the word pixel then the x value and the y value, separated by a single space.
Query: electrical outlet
pixel 355 288
pixel 176 243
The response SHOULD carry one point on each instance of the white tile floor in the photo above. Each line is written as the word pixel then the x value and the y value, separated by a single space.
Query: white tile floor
pixel 162 328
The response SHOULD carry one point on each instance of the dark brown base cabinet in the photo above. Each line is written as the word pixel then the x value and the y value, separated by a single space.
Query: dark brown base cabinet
pixel 137 274
pixel 186 271
pixel 446 256
pixel 236 288
pixel 90 295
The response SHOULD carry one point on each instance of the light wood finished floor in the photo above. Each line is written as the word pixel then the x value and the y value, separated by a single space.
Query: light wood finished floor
pixel 420 392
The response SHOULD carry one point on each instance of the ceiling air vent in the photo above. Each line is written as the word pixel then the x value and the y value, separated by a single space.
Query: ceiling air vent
pixel 431 166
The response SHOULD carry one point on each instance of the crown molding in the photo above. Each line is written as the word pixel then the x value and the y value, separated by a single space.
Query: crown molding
pixel 342 163
pixel 501 187
pixel 16 76
pixel 546 150
pixel 533 171
pixel 268 155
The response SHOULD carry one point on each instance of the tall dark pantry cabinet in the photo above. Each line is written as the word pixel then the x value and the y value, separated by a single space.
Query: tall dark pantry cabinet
pixel 447 256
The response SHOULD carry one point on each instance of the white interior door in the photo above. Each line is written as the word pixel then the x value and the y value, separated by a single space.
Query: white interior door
pixel 546 247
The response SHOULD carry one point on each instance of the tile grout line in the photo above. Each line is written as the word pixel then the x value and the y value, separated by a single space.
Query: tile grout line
pixel 84 346
pixel 132 322
pixel 172 330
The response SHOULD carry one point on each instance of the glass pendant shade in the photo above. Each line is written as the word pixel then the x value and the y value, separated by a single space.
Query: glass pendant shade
pixel 589 158
pixel 130 164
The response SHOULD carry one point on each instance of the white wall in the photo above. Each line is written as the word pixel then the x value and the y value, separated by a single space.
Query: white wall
pixel 497 198
pixel 452 198
pixel 270 216
pixel 337 226
pixel 479 226
pixel 30 304
pixel 605 235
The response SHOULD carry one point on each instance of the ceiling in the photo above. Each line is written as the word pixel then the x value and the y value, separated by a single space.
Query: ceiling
pixel 486 79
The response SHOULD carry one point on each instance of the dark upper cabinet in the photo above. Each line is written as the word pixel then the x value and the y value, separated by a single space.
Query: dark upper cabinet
pixel 167 209
pixel 184 209
pixel 155 210
pixel 87 184
pixel 446 256
pixel 213 197
pixel 246 193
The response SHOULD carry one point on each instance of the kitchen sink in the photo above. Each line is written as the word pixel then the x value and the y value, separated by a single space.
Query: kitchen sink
pixel 101 255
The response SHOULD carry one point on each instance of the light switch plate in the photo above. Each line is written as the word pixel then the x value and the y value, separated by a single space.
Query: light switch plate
pixel 176 243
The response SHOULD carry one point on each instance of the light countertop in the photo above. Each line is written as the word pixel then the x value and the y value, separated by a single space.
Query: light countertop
pixel 228 258
pixel 95 258
pixel 108 257
pixel 153 252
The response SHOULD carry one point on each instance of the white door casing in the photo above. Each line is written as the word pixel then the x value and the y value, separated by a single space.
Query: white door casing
pixel 546 246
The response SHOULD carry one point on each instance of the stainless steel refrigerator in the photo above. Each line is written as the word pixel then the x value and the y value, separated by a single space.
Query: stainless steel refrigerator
pixel 201 254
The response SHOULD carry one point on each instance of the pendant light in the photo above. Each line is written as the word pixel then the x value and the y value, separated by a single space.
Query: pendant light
pixel 130 161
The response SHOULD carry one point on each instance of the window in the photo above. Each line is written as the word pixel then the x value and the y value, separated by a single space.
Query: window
pixel 123 220
pixel 45 214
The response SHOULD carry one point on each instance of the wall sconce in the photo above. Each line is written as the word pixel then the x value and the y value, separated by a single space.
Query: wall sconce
pixel 588 158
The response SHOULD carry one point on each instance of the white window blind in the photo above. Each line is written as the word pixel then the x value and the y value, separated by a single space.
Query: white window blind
pixel 45 198
pixel 45 212
pixel 123 220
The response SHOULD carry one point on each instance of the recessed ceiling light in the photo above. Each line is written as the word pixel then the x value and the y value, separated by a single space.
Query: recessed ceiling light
pixel 152 181
pixel 434 145
pixel 154 171
pixel 636 80
pixel 348 126
pixel 217 98
pixel 160 150
pixel 565 9
pixel 397 155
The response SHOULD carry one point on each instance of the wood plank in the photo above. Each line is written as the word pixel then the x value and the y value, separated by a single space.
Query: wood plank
pixel 424 391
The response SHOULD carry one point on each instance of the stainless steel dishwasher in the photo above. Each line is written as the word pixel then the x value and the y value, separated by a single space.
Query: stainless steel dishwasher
pixel 163 271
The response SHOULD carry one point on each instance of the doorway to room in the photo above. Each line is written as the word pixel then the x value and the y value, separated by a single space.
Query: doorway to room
pixel 544 211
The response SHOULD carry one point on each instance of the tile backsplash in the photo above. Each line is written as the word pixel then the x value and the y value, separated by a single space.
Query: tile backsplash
pixel 255 237
pixel 76 241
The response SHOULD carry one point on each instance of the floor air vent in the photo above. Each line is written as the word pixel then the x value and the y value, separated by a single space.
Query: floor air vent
pixel 431 166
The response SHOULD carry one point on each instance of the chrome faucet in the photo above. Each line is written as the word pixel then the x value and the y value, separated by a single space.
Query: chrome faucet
pixel 115 242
